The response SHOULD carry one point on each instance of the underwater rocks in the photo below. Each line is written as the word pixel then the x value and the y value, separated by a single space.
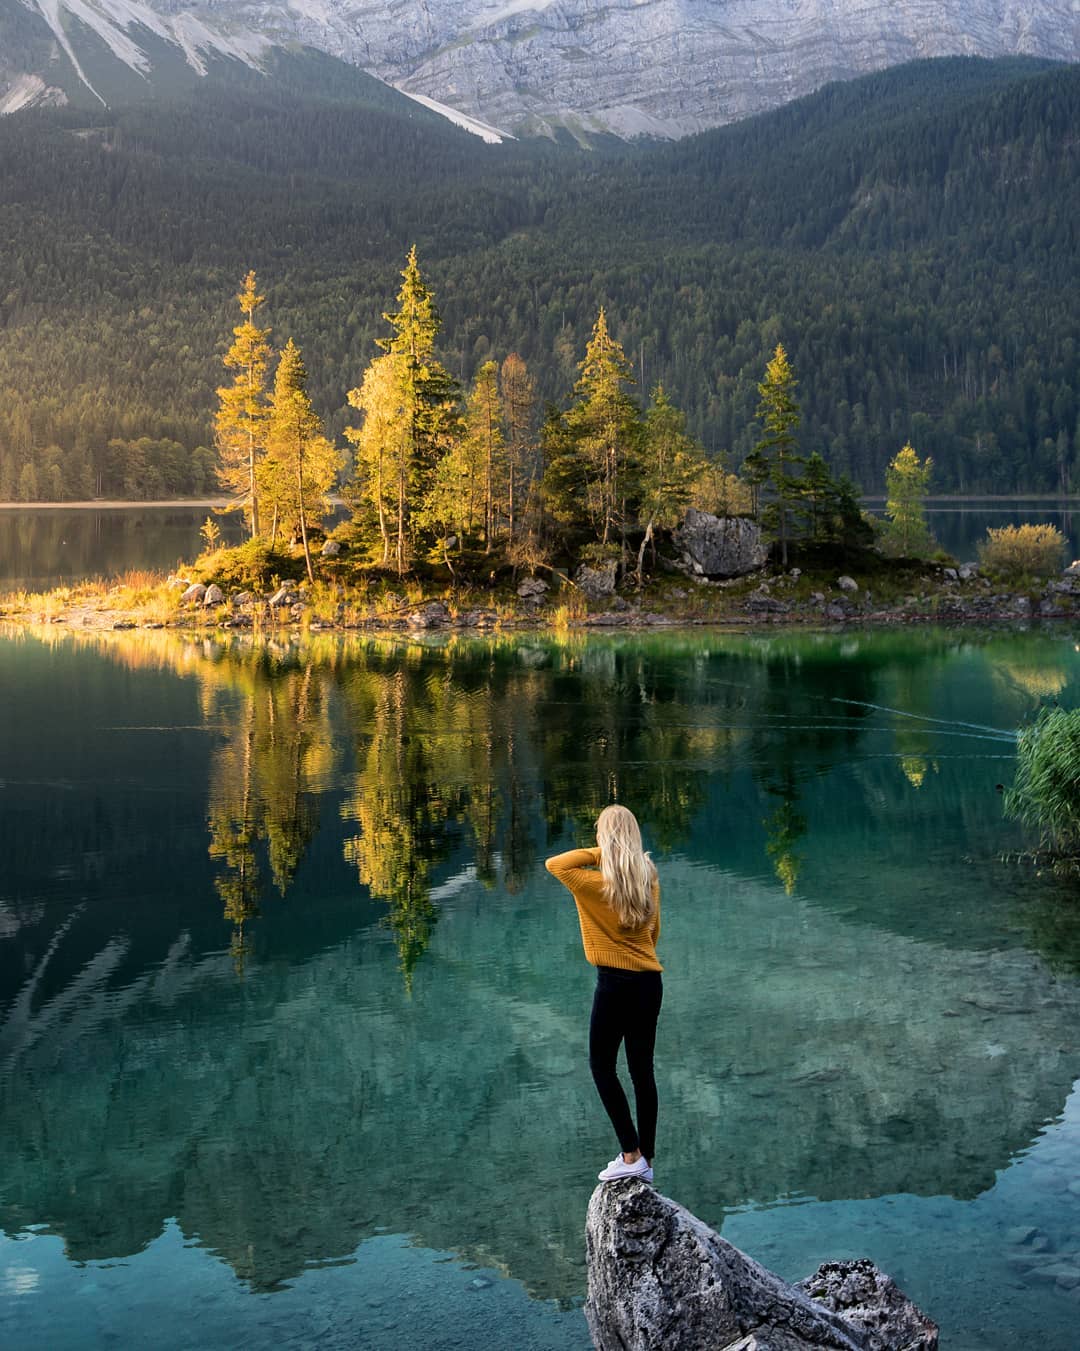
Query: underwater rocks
pixel 658 1276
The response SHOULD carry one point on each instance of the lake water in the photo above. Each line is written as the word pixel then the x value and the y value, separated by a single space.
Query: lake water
pixel 293 1021
pixel 43 547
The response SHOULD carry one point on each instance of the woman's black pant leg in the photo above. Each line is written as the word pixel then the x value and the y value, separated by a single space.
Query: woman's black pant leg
pixel 626 1007
pixel 606 1031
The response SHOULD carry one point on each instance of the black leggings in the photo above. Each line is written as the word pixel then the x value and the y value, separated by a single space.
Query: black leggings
pixel 625 1008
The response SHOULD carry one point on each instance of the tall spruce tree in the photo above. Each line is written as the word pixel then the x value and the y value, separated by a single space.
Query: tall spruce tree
pixel 773 463
pixel 302 465
pixel 426 396
pixel 240 421
pixel 671 467
pixel 519 399
pixel 594 470
pixel 906 482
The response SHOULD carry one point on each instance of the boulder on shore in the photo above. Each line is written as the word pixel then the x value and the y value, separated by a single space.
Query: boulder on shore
pixel 660 1277
pixel 599 582
pixel 719 546
pixel 194 594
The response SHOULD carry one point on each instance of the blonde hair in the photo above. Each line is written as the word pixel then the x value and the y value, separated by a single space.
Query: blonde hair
pixel 628 872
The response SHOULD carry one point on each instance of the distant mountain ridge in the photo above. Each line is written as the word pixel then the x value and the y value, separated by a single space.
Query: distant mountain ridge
pixel 663 68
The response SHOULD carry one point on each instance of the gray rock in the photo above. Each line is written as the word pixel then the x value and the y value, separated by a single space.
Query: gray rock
pixel 719 546
pixel 951 575
pixel 968 571
pixel 620 604
pixel 331 548
pixel 532 588
pixel 760 602
pixel 1073 570
pixel 835 612
pixel 194 594
pixel 281 598
pixel 242 598
pixel 178 583
pixel 597 583
pixel 214 595
pixel 430 615
pixel 1022 604
pixel 873 1303
pixel 847 583
pixel 125 624
pixel 659 1277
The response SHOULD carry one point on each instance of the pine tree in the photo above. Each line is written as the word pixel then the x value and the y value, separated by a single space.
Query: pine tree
pixel 592 470
pixel 774 457
pixel 426 397
pixel 484 443
pixel 302 464
pixel 519 399
pixel 672 465
pixel 382 447
pixel 240 421
pixel 906 481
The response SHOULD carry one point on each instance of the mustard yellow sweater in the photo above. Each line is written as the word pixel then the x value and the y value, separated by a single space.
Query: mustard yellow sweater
pixel 606 942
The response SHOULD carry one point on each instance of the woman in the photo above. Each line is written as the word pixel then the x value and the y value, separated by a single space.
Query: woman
pixel 618 901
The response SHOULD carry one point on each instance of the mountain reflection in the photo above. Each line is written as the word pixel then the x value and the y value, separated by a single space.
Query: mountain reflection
pixel 856 1002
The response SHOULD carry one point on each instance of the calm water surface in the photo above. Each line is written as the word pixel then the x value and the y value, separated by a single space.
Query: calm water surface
pixel 45 547
pixel 292 1020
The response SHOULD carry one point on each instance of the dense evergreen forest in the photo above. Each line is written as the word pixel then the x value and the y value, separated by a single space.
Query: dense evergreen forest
pixel 910 237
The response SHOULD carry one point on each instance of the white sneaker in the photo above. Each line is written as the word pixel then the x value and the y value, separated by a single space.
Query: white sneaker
pixel 618 1167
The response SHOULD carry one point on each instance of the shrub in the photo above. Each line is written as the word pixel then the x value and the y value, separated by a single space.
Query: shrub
pixel 250 566
pixel 1016 550
pixel 1045 794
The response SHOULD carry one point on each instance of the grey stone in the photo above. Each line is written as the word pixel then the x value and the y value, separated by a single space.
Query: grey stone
pixel 846 583
pixel 281 598
pixel 1073 570
pixel 795 574
pixel 759 602
pixel 659 1277
pixel 242 598
pixel 620 604
pixel 968 571
pixel 873 1303
pixel 194 594
pixel 835 612
pixel 125 624
pixel 214 595
pixel 597 583
pixel 331 548
pixel 1022 604
pixel 719 546
pixel 532 588
pixel 178 583
pixel 430 615
pixel 951 575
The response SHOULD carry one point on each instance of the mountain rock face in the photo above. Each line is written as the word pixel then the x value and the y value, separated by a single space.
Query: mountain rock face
pixel 656 67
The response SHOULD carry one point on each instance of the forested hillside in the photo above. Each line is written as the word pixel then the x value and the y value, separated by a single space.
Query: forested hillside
pixel 911 238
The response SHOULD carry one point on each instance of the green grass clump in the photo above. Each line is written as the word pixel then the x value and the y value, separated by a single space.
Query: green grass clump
pixel 1045 794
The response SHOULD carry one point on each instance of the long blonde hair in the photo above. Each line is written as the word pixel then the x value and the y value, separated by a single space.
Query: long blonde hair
pixel 628 872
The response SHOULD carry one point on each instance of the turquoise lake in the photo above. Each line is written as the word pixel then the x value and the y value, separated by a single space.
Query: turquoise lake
pixel 293 1021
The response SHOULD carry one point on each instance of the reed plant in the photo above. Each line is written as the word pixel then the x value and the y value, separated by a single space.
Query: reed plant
pixel 1045 794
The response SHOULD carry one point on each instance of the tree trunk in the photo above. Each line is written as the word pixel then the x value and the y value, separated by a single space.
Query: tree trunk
pixel 303 513
pixel 646 540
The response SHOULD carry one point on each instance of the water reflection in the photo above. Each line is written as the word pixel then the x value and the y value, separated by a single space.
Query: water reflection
pixel 857 1001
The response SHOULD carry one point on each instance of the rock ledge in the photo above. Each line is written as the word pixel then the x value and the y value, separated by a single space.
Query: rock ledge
pixel 659 1277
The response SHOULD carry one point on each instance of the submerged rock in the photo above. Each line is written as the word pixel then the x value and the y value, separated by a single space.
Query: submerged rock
pixel 660 1277
pixel 719 546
